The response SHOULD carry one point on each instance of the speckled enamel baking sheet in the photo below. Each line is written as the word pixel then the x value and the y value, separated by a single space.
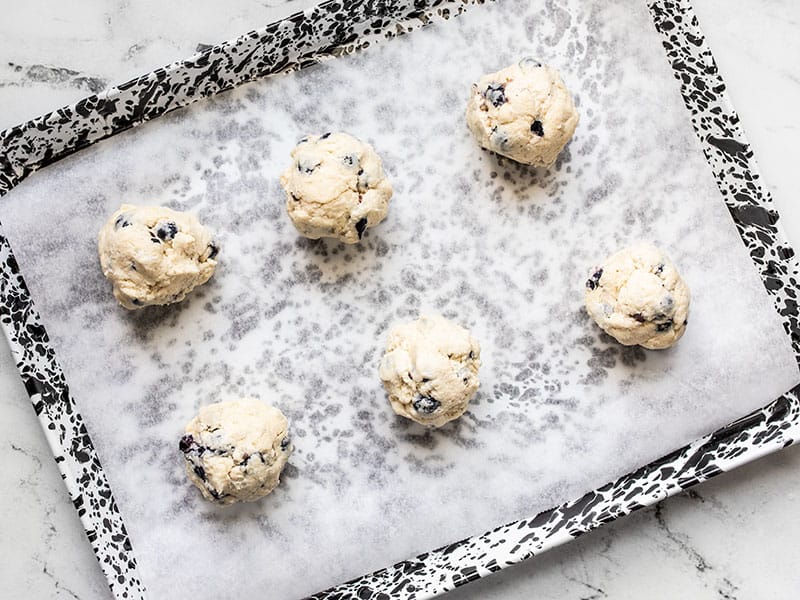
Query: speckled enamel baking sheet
pixel 500 248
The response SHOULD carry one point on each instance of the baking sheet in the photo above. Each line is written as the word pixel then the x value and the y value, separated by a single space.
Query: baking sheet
pixel 501 248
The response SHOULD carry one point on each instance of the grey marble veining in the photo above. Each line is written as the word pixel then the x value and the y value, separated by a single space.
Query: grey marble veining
pixel 302 323
pixel 61 52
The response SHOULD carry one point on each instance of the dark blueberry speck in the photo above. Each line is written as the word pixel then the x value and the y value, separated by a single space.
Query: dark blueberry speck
pixel 200 472
pixel 659 269
pixel 136 302
pixel 122 221
pixel 167 231
pixel 363 181
pixel 361 226
pixel 285 443
pixel 325 135
pixel 663 326
pixel 529 63
pixel 499 138
pixel 594 280
pixel 213 250
pixel 536 127
pixel 426 405
pixel 496 94
pixel 186 443
pixel 350 160
pixel 639 317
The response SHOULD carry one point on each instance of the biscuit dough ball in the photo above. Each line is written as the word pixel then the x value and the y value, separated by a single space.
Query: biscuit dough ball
pixel 154 255
pixel 235 450
pixel 524 112
pixel 638 297
pixel 430 370
pixel 335 187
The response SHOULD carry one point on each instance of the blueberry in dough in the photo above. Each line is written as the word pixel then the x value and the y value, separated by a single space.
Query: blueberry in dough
pixel 361 226
pixel 235 451
pixel 121 221
pixel 499 138
pixel 426 405
pixel 167 231
pixel 524 112
pixel 529 63
pixel 430 370
pixel 495 93
pixel 639 298
pixel 335 188
pixel 212 250
pixel 187 442
pixel 594 279
pixel 154 255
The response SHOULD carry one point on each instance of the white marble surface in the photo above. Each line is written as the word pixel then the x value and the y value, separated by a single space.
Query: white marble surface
pixel 729 537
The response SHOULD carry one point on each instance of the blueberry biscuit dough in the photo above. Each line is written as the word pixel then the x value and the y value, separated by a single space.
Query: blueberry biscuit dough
pixel 235 450
pixel 335 187
pixel 524 112
pixel 430 370
pixel 638 297
pixel 155 255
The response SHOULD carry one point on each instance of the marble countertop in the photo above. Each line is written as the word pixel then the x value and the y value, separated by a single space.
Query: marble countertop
pixel 725 539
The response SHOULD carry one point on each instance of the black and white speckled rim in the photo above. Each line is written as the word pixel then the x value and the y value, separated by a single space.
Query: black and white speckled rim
pixel 334 28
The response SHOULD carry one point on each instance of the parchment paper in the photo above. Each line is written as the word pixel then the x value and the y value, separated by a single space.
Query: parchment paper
pixel 500 248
